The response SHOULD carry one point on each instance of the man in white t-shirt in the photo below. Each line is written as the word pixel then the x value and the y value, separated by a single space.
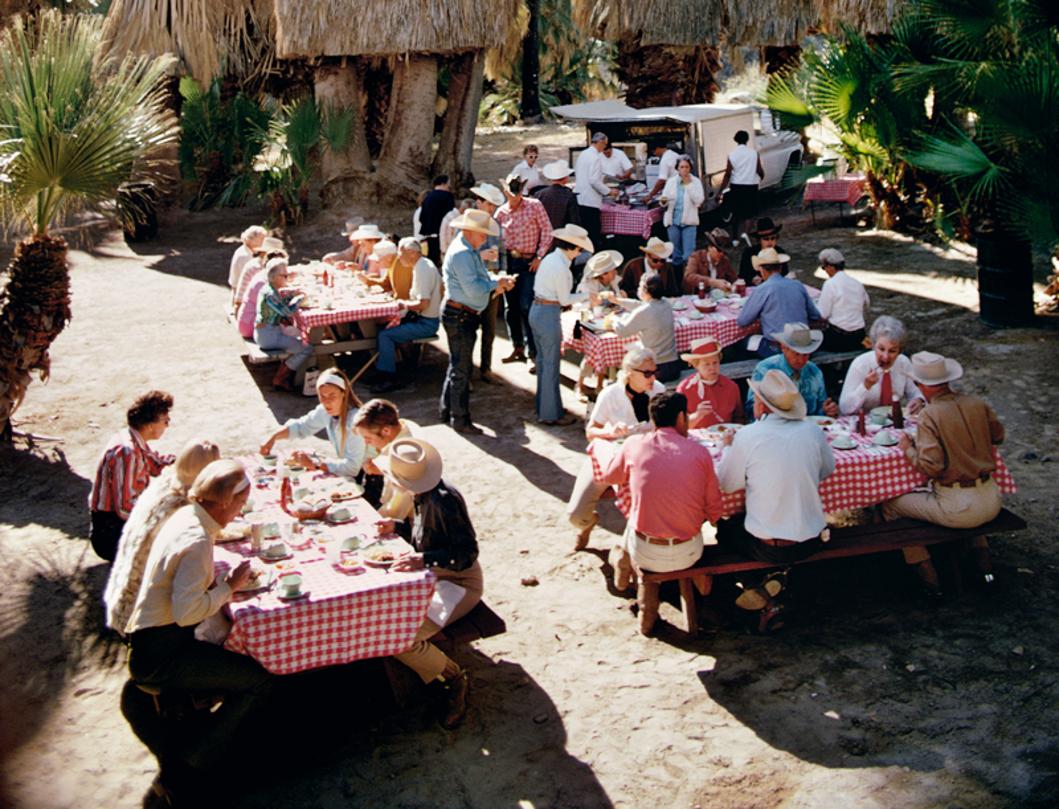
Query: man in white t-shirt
pixel 667 166
pixel 418 317
pixel 615 163
pixel 742 174
pixel 842 302
pixel 590 188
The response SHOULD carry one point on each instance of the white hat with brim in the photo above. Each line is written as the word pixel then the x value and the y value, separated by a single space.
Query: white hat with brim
pixel 270 244
pixel 799 337
pixel 603 262
pixel 658 248
pixel 477 222
pixel 769 256
pixel 367 232
pixel 574 234
pixel 558 170
pixel 412 464
pixel 352 225
pixel 701 349
pixel 929 368
pixel 779 394
pixel 384 248
pixel 490 193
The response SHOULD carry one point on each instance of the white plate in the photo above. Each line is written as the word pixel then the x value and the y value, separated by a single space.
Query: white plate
pixel 840 446
pixel 299 597
pixel 877 440
pixel 264 557
pixel 728 425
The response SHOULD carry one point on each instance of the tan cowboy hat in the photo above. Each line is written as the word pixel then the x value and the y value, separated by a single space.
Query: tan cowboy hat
pixel 367 232
pixel 769 256
pixel 701 349
pixel 603 262
pixel 476 221
pixel 557 170
pixel 352 224
pixel 490 193
pixel 384 248
pixel 799 337
pixel 575 234
pixel 779 394
pixel 658 248
pixel 933 369
pixel 270 244
pixel 412 464
pixel 719 238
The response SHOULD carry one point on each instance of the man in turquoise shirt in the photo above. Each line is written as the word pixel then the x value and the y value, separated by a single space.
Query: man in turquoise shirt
pixel 797 342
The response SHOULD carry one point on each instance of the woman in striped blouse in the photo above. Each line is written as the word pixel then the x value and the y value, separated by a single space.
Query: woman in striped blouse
pixel 276 308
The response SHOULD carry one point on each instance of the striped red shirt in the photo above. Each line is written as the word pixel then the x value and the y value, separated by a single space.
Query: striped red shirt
pixel 527 230
pixel 124 471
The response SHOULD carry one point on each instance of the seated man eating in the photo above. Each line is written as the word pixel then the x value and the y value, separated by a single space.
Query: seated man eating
pixel 797 342
pixel 712 398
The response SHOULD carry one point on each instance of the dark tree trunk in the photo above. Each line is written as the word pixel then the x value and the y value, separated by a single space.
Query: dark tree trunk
pixel 456 146
pixel 666 76
pixel 531 65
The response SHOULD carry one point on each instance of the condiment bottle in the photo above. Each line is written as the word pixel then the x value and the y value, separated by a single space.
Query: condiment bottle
pixel 702 290
pixel 325 277
pixel 861 427
pixel 897 414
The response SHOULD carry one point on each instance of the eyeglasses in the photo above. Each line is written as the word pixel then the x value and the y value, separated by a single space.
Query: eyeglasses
pixel 648 374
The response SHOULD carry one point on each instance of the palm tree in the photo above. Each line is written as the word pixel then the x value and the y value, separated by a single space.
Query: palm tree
pixel 74 128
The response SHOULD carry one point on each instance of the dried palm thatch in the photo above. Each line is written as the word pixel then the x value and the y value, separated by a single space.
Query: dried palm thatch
pixel 306 29
pixel 728 22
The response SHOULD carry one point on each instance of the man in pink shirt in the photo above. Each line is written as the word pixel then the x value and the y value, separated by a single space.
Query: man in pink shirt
pixel 673 490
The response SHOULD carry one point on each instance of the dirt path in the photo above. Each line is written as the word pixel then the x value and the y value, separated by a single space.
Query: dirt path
pixel 868 699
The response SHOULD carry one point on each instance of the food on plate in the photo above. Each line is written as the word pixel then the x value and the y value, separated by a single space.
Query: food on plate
pixel 348 491
pixel 231 533
pixel 305 507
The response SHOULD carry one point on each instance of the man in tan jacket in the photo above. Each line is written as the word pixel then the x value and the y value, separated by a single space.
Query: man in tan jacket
pixel 954 449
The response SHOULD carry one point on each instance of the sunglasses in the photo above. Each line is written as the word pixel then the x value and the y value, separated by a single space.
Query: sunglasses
pixel 648 374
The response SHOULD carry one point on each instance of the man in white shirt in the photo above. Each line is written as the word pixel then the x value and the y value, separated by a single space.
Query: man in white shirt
pixel 742 174
pixel 667 166
pixel 843 300
pixel 780 461
pixel 447 233
pixel 590 188
pixel 416 319
pixel 527 168
pixel 615 163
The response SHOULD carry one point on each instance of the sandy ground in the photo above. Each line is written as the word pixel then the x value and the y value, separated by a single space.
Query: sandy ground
pixel 868 699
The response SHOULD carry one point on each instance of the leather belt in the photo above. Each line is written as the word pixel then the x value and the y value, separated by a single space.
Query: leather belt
pixel 546 303
pixel 665 541
pixel 520 254
pixel 823 536
pixel 462 307
pixel 966 484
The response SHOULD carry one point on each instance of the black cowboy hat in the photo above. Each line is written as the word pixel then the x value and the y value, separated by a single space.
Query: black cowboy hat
pixel 766 227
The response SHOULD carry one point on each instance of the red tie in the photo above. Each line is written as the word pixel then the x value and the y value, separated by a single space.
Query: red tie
pixel 887 395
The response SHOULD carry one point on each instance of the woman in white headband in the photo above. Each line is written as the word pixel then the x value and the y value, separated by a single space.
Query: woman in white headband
pixel 335 414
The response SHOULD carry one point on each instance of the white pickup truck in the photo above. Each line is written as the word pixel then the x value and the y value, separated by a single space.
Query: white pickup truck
pixel 704 131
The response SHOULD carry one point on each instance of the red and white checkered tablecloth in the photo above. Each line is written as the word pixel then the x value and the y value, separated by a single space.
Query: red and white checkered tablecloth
pixel 344 617
pixel 347 312
pixel 863 477
pixel 842 189
pixel 626 221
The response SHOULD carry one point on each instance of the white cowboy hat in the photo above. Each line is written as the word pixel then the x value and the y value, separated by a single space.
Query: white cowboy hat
pixel 933 369
pixel 270 244
pixel 557 170
pixel 799 337
pixel 701 349
pixel 658 248
pixel 769 256
pixel 513 177
pixel 490 193
pixel 412 464
pixel 352 224
pixel 367 232
pixel 779 394
pixel 476 221
pixel 603 262
pixel 384 248
pixel 575 234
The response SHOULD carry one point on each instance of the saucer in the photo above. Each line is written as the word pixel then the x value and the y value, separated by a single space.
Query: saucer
pixel 298 597
pixel 264 557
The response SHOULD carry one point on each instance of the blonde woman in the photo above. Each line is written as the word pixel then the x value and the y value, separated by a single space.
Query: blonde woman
pixel 163 496
pixel 336 414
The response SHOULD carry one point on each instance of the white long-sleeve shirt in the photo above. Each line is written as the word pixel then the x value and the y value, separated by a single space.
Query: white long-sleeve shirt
pixel 653 322
pixel 588 184
pixel 241 255
pixel 843 300
pixel 553 280
pixel 781 463
pixel 694 196
pixel 855 397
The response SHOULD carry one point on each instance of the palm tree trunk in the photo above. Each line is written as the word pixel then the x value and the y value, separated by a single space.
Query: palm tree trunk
pixel 340 85
pixel 401 171
pixel 456 147
pixel 531 66
pixel 34 309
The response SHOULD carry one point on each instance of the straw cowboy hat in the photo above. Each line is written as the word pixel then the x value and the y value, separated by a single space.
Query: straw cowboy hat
pixel 766 227
pixel 476 221
pixel 352 224
pixel 701 349
pixel 769 257
pixel 933 369
pixel 490 193
pixel 657 248
pixel 575 234
pixel 779 394
pixel 412 464
pixel 270 244
pixel 799 337
pixel 603 262
pixel 367 232
pixel 384 248
pixel 557 170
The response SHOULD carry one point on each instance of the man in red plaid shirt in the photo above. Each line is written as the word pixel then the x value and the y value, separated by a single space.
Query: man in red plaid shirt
pixel 527 239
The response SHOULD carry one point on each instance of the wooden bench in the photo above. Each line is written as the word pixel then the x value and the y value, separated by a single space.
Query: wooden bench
pixel 858 540
pixel 255 355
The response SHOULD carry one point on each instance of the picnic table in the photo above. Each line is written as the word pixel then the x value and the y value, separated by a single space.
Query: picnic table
pixel 835 190
pixel 345 615
pixel 865 476
pixel 346 301
pixel 625 220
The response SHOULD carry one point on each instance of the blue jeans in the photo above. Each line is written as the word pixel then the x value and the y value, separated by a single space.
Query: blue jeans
pixel 405 332
pixel 548 334
pixel 519 300
pixel 461 328
pixel 270 337
pixel 683 238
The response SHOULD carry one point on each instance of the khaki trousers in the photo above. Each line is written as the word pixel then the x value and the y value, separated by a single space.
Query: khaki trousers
pixel 949 506
pixel 585 497
pixel 423 657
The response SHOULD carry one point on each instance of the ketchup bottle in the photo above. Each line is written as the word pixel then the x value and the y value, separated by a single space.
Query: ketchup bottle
pixel 897 414
pixel 702 290
pixel 861 427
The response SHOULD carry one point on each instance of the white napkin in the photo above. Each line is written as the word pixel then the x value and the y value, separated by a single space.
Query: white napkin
pixel 446 598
